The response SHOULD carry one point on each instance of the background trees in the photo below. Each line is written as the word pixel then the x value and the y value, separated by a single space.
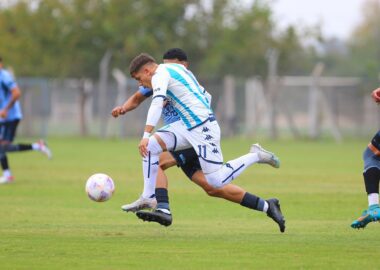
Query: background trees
pixel 69 37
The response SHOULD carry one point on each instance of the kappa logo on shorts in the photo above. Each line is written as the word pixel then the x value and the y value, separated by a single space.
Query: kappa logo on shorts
pixel 215 151
pixel 205 129
pixel 208 137
pixel 157 89
pixel 228 165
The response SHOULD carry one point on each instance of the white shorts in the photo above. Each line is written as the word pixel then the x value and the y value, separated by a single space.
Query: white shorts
pixel 205 139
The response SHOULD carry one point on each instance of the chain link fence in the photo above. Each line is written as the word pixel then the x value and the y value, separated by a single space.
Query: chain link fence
pixel 293 106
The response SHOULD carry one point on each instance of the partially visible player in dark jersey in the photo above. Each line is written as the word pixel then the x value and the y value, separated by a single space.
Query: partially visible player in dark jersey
pixel 188 161
pixel 10 116
pixel 371 173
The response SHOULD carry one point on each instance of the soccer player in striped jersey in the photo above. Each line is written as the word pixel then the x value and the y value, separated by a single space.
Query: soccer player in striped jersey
pixel 198 128
pixel 371 158
pixel 186 159
pixel 10 116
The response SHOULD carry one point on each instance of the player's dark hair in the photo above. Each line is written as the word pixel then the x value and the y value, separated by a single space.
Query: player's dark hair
pixel 175 53
pixel 139 61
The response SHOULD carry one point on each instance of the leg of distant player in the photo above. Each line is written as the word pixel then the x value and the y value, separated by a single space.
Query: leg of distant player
pixel 371 181
pixel 7 133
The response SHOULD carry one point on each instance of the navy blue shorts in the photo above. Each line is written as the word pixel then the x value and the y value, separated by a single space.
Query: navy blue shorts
pixel 188 160
pixel 370 160
pixel 8 130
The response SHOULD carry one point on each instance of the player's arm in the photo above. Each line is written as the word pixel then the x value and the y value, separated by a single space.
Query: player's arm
pixel 15 95
pixel 160 85
pixel 133 102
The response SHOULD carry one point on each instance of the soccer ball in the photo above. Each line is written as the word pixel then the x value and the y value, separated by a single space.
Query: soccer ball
pixel 100 187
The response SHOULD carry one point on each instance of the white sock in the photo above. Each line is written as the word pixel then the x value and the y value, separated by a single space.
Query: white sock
pixel 36 146
pixel 266 207
pixel 373 198
pixel 166 211
pixel 231 169
pixel 7 173
pixel 150 167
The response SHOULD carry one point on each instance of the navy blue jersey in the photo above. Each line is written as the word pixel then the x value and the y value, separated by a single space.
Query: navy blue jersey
pixel 7 83
pixel 169 114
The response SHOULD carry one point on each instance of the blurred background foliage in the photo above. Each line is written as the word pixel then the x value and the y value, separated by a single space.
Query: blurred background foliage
pixel 68 38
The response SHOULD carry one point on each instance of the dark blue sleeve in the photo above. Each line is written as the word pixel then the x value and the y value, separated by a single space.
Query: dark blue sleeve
pixel 145 91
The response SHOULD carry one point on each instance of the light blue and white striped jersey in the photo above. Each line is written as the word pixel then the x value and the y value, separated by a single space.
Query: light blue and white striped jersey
pixel 179 85
pixel 7 83
pixel 169 114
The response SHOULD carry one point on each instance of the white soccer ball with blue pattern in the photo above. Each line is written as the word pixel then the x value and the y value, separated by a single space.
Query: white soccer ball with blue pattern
pixel 100 187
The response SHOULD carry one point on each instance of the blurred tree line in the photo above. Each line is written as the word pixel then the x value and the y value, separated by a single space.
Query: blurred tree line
pixel 69 37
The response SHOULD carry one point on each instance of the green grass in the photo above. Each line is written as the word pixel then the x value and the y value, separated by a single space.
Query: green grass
pixel 47 221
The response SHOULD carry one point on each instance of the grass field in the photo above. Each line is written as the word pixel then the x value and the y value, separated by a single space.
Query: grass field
pixel 47 221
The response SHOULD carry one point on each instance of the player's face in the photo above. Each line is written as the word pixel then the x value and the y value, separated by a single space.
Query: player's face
pixel 144 77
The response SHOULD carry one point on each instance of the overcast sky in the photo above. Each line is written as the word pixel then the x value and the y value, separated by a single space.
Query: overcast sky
pixel 337 17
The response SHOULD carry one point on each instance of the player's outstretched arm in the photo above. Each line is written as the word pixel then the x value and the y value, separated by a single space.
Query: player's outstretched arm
pixel 132 103
pixel 376 95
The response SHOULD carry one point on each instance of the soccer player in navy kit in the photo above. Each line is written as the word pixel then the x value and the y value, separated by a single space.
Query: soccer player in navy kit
pixel 10 116
pixel 186 159
pixel 371 158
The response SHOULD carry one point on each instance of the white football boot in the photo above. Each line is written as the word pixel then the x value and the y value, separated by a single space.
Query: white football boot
pixel 45 149
pixel 140 204
pixel 6 179
pixel 265 156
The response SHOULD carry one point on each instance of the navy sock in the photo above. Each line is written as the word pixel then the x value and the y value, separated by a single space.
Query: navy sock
pixel 253 202
pixel 4 162
pixel 17 147
pixel 162 198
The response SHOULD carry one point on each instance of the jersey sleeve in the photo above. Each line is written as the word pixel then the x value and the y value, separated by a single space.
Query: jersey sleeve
pixel 160 82
pixel 8 82
pixel 145 91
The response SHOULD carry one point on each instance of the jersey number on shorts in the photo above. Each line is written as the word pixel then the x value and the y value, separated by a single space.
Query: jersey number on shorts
pixel 202 151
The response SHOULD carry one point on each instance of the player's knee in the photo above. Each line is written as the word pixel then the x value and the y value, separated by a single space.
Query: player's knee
pixel 164 165
pixel 213 179
pixel 213 192
pixel 166 161
pixel 153 146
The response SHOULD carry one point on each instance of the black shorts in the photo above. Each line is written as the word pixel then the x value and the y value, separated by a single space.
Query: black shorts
pixel 8 130
pixel 188 160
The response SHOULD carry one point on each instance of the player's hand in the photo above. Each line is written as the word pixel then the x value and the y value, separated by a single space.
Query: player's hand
pixel 118 111
pixel 143 147
pixel 3 113
pixel 376 95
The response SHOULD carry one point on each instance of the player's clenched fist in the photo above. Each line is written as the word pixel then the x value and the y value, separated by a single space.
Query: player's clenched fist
pixel 376 95
pixel 118 111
